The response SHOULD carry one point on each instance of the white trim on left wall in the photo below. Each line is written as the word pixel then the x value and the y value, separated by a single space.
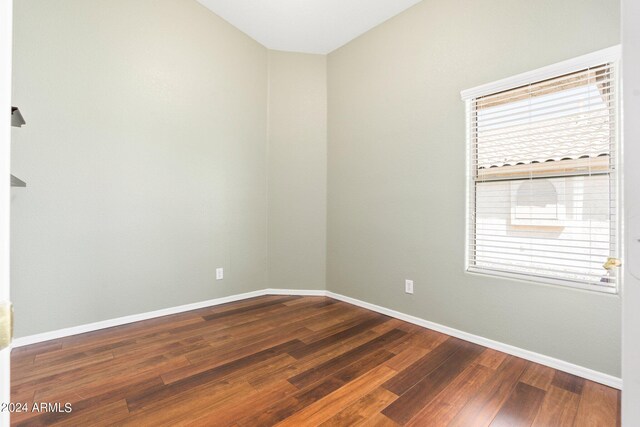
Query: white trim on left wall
pixel 542 359
pixel 104 324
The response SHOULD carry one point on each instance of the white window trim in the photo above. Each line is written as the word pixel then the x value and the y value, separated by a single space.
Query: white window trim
pixel 613 55
pixel 610 54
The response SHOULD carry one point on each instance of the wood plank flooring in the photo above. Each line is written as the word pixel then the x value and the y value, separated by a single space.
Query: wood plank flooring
pixel 294 361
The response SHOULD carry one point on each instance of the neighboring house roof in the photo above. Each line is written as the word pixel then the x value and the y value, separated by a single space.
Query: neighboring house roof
pixel 562 119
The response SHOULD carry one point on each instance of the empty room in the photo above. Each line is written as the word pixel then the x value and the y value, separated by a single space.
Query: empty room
pixel 320 213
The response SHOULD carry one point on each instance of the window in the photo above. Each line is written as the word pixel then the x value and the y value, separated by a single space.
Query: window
pixel 543 186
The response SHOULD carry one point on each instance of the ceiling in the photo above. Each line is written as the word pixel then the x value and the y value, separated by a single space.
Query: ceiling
pixel 311 26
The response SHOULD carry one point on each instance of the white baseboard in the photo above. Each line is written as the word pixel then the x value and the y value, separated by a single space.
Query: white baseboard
pixel 558 364
pixel 90 327
pixel 551 362
pixel 300 292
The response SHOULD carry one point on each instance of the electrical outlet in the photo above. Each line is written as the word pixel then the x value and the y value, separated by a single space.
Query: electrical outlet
pixel 219 273
pixel 408 286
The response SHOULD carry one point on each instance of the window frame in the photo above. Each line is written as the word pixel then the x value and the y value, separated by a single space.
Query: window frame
pixel 610 55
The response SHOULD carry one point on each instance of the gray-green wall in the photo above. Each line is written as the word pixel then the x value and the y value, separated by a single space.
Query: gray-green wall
pixel 297 170
pixel 396 169
pixel 145 158
pixel 162 143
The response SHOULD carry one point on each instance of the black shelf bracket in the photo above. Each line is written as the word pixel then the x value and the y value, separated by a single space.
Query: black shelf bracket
pixel 17 182
pixel 17 121
pixel 16 117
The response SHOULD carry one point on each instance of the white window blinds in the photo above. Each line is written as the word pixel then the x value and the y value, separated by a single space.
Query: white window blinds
pixel 543 184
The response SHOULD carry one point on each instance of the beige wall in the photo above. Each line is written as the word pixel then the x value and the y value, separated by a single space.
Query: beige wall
pixel 145 156
pixel 297 170
pixel 396 170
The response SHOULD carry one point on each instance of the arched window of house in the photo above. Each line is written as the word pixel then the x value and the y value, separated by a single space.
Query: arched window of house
pixel 536 199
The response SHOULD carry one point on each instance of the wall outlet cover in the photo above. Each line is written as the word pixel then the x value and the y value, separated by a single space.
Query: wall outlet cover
pixel 408 286
pixel 219 273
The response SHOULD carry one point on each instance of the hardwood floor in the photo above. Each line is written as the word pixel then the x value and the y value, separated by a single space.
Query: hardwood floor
pixel 294 361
